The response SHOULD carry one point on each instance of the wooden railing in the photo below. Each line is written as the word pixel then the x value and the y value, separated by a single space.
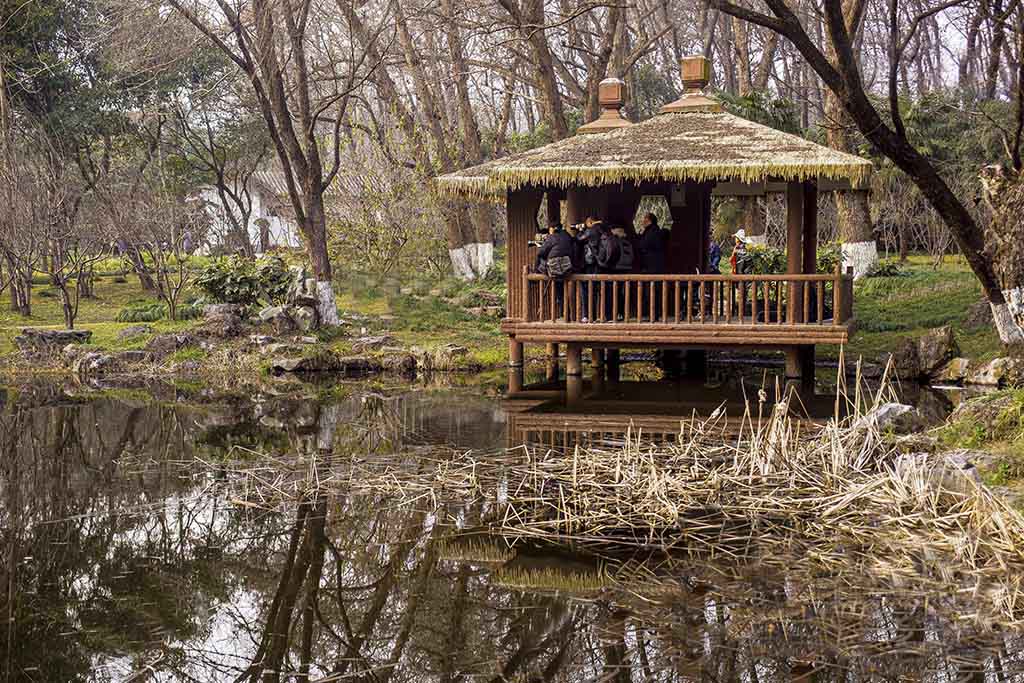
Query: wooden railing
pixel 819 299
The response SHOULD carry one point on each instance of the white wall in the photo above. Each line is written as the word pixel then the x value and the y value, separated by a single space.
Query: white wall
pixel 283 231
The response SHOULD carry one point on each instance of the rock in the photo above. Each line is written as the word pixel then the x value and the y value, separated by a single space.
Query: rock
pixel 967 461
pixel 906 359
pixel 308 340
pixel 34 341
pixel 302 290
pixel 165 344
pixel 998 372
pixel 133 331
pixel 371 342
pixel 222 310
pixel 91 363
pixel 262 340
pixel 315 363
pixel 279 319
pixel 935 348
pixel 133 357
pixel 190 366
pixel 305 317
pixel 442 358
pixel 357 366
pixel 953 372
pixel 895 417
pixel 979 315
pixel 948 472
pixel 401 362
pixel 222 326
pixel 283 349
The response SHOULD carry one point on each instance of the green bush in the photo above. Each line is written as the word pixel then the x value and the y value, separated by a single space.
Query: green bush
pixel 830 255
pixel 142 313
pixel 886 269
pixel 763 260
pixel 236 280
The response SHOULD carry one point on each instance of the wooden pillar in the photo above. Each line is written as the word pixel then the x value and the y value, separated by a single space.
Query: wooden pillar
pixel 515 353
pixel 573 360
pixel 686 251
pixel 573 390
pixel 515 380
pixel 521 209
pixel 612 365
pixel 552 369
pixel 810 241
pixel 597 358
pixel 794 248
pixel 800 364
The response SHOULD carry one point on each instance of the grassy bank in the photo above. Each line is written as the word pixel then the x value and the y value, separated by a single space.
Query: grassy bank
pixel 993 423
pixel 430 314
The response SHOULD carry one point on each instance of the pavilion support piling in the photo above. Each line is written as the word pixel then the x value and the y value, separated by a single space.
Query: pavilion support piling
pixel 552 368
pixel 515 380
pixel 573 390
pixel 597 358
pixel 800 364
pixel 573 360
pixel 794 249
pixel 613 365
pixel 515 353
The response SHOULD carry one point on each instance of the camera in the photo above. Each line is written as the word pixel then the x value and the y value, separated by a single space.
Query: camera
pixel 533 243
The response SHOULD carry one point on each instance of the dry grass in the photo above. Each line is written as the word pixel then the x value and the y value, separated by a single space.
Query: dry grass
pixel 839 503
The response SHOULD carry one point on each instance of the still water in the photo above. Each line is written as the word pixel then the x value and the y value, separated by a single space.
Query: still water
pixel 132 552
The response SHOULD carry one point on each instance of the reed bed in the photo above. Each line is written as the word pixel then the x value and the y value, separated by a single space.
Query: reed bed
pixel 837 501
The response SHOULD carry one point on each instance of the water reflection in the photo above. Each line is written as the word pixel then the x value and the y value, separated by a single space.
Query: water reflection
pixel 130 555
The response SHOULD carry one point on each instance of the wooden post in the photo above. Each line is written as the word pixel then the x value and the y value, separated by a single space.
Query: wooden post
pixel 597 358
pixel 552 369
pixel 521 208
pixel 575 206
pixel 794 248
pixel 573 360
pixel 515 353
pixel 612 365
pixel 573 390
pixel 515 380
pixel 800 364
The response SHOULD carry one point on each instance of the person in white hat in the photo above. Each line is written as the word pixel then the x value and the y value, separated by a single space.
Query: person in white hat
pixel 739 250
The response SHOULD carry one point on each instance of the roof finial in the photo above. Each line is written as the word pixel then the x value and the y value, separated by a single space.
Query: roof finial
pixel 611 95
pixel 696 71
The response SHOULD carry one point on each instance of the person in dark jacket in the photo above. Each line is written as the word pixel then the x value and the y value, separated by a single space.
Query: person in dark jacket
pixel 589 240
pixel 556 253
pixel 651 245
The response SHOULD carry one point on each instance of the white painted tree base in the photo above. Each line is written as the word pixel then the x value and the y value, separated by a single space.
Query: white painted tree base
pixel 472 261
pixel 1009 317
pixel 861 256
pixel 327 307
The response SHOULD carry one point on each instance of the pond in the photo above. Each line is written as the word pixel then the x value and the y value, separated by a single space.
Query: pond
pixel 157 534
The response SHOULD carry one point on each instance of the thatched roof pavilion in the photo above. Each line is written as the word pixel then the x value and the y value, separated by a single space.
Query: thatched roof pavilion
pixel 691 149
pixel 692 139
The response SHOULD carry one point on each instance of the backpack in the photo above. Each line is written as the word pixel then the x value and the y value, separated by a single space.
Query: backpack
pixel 626 255
pixel 608 251
pixel 559 266
pixel 589 253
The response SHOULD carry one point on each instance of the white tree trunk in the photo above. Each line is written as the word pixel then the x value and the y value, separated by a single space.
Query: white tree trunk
pixel 1009 317
pixel 327 306
pixel 861 256
pixel 472 261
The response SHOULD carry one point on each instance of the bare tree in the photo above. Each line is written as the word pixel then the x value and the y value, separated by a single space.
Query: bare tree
pixel 843 76
pixel 302 86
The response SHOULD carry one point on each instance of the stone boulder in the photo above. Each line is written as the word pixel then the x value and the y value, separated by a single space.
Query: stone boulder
pixel 134 332
pixel 953 372
pixel 302 290
pixel 91 363
pixel 893 417
pixel 33 341
pixel 133 357
pixel 326 361
pixel 906 359
pixel 399 361
pixel 305 317
pixel 221 310
pixel 1008 372
pixel 278 318
pixel 951 473
pixel 165 344
pixel 371 342
pixel 935 348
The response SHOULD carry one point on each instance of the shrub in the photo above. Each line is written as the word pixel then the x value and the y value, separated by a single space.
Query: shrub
pixel 142 313
pixel 830 255
pixel 763 260
pixel 241 281
pixel 886 269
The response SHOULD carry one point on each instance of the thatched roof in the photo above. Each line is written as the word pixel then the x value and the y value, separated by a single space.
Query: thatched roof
pixel 689 145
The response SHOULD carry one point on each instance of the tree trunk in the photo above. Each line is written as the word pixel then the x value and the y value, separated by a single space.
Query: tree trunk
pixel 315 231
pixel 1004 246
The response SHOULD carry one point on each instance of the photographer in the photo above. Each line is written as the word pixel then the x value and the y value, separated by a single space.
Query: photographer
pixel 555 259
